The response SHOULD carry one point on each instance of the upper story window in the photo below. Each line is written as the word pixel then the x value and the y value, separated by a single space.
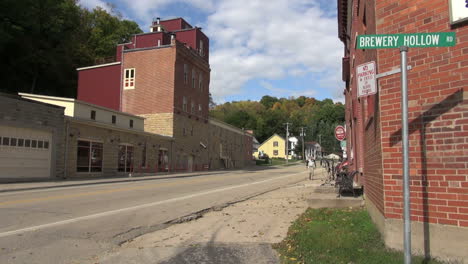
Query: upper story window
pixel 193 78
pixel 200 109
pixel 201 48
pixel 192 107
pixel 114 119
pixel 93 115
pixel 275 143
pixel 200 82
pixel 184 104
pixel 129 78
pixel 131 123
pixel 185 73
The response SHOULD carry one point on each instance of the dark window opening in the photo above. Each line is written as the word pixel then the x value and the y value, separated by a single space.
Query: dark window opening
pixel 13 142
pixel 114 119
pixel 27 143
pixel 93 115
pixel 20 142
pixel 46 144
pixel 5 141
pixel 40 144
pixel 33 143
pixel 89 157
pixel 131 123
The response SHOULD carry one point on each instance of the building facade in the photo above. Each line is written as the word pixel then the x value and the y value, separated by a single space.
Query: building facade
pixel 164 77
pixel 274 147
pixel 438 114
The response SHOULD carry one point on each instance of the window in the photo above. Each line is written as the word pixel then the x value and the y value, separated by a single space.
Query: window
pixel 201 48
pixel 125 162
pixel 193 78
pixel 185 73
pixel 33 143
pixel 275 152
pixel 40 144
pixel 114 119
pixel 199 109
pixel 46 144
pixel 13 142
pixel 192 107
pixel 5 141
pixel 163 160
pixel 93 115
pixel 27 143
pixel 275 143
pixel 89 157
pixel 143 156
pixel 129 79
pixel 200 82
pixel 131 123
pixel 184 104
pixel 21 142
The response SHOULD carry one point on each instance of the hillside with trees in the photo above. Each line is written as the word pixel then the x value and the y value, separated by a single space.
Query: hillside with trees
pixel 43 42
pixel 266 117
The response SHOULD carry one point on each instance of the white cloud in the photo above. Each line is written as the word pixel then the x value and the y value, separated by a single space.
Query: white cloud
pixel 280 39
pixel 262 40
pixel 91 4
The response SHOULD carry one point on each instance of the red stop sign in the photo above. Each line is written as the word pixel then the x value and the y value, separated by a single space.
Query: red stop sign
pixel 340 133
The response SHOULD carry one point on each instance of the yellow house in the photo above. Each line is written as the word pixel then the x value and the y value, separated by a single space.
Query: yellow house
pixel 274 147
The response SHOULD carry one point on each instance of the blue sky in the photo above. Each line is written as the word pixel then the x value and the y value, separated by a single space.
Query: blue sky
pixel 280 48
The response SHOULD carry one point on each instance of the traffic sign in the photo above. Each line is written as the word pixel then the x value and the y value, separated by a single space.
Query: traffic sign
pixel 366 79
pixel 340 133
pixel 412 40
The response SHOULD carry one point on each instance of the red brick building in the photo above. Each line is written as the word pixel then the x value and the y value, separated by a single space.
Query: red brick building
pixel 164 76
pixel 438 122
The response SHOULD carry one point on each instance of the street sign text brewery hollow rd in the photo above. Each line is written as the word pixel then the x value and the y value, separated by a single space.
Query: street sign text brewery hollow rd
pixel 413 40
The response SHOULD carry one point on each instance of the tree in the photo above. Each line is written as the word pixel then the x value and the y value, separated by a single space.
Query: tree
pixel 268 101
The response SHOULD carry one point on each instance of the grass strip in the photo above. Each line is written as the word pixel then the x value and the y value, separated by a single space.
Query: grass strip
pixel 337 236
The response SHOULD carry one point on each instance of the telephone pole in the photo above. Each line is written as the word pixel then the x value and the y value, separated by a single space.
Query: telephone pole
pixel 302 136
pixel 287 141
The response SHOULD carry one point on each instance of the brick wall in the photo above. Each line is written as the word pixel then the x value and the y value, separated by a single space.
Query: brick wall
pixel 438 113
pixel 154 81
pixel 162 123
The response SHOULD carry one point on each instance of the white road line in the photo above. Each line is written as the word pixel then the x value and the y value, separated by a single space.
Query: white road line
pixel 88 217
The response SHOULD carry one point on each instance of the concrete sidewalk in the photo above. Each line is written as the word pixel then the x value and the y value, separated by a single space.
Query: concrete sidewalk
pixel 240 233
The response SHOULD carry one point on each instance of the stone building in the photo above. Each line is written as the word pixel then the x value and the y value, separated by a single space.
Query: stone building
pixel 438 126
pixel 31 139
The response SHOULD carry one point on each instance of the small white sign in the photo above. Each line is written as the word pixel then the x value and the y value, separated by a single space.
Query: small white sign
pixel 458 11
pixel 365 74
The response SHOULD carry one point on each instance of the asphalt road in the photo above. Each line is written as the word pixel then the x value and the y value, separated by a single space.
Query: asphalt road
pixel 77 224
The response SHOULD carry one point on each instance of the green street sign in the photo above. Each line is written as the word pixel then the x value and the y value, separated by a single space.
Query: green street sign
pixel 413 40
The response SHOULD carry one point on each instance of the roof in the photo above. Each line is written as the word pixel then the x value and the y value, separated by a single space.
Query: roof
pixel 270 138
pixel 73 100
pixel 17 97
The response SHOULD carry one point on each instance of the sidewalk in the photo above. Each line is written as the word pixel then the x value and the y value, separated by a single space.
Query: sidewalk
pixel 240 233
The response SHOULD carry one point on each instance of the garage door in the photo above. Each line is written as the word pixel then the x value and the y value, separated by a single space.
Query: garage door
pixel 24 153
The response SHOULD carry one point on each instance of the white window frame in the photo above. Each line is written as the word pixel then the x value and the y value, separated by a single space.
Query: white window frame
pixel 129 82
pixel 184 104
pixel 200 82
pixel 194 73
pixel 200 109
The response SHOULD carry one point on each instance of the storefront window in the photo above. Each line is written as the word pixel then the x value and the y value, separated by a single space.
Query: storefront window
pixel 163 160
pixel 125 158
pixel 89 156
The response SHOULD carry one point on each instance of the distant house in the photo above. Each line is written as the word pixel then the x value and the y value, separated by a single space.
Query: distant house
pixel 312 149
pixel 255 143
pixel 274 147
pixel 292 146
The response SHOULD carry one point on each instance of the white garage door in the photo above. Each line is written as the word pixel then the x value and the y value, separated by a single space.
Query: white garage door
pixel 24 153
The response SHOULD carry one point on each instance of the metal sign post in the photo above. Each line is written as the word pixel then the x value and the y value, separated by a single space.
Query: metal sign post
pixel 404 41
pixel 405 143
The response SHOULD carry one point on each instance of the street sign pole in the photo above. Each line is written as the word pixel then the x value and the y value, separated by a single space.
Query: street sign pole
pixel 405 143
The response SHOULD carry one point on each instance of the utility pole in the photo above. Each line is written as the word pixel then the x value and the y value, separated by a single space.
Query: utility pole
pixel 303 150
pixel 287 141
